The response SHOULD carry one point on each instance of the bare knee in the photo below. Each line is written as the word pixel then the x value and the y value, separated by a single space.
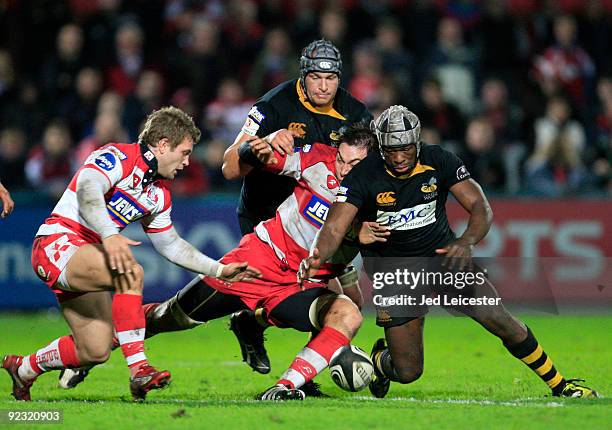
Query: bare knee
pixel 132 283
pixel 93 354
pixel 408 375
pixel 344 315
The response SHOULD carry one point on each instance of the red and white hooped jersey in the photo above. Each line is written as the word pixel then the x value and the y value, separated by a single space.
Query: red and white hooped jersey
pixel 298 219
pixel 134 194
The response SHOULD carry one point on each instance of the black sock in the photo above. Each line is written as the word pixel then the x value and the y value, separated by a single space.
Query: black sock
pixel 531 353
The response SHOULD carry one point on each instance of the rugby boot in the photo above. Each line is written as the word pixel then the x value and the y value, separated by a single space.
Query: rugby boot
pixel 251 339
pixel 70 378
pixel 280 393
pixel 146 379
pixel 379 387
pixel 573 389
pixel 312 389
pixel 21 388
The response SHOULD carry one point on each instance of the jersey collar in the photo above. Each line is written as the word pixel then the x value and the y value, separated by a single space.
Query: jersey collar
pixel 150 160
pixel 419 168
pixel 324 110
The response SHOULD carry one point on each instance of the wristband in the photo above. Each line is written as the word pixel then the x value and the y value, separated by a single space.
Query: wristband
pixel 246 154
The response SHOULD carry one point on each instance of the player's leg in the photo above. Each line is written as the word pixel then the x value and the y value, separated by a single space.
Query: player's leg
pixel 88 270
pixel 522 344
pixel 89 319
pixel 338 320
pixel 248 326
pixel 193 305
pixel 401 359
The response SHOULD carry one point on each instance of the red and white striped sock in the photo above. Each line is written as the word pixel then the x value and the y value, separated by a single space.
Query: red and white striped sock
pixel 59 354
pixel 129 321
pixel 313 358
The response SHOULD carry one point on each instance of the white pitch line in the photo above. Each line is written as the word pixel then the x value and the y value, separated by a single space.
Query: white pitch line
pixel 521 402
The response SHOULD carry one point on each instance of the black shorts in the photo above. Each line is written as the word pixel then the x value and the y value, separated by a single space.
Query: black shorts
pixel 299 311
pixel 405 288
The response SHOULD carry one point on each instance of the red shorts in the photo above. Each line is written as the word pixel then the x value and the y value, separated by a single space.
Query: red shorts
pixel 50 255
pixel 277 282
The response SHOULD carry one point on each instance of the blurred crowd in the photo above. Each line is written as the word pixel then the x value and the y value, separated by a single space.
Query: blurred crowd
pixel 520 89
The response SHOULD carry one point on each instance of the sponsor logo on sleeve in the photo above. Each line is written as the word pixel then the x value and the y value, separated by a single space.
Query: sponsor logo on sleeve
pixel 257 116
pixel 106 161
pixel 342 194
pixel 332 182
pixel 462 173
pixel 250 127
pixel 316 211
pixel 120 154
pixel 306 148
pixel 408 218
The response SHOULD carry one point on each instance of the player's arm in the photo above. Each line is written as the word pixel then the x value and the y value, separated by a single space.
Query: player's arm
pixel 339 219
pixel 180 252
pixel 469 194
pixel 261 121
pixel 91 186
pixel 256 152
pixel 7 202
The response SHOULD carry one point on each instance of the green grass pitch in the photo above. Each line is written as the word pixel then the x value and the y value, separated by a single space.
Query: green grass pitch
pixel 470 381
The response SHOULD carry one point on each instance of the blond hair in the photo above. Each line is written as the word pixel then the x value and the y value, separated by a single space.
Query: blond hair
pixel 171 123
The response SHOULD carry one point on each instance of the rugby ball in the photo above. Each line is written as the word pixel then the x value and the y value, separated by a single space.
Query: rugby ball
pixel 351 368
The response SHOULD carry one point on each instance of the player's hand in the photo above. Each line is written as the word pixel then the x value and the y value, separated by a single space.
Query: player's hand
pixel 262 150
pixel 458 254
pixel 282 141
pixel 371 232
pixel 120 257
pixel 7 202
pixel 309 266
pixel 235 272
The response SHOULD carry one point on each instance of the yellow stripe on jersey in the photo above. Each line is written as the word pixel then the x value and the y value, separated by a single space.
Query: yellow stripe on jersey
pixel 418 169
pixel 121 217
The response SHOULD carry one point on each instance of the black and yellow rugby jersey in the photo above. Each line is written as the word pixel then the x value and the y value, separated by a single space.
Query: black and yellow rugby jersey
pixel 412 206
pixel 286 107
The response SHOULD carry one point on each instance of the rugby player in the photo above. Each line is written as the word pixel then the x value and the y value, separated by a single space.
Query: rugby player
pixel 278 245
pixel 314 107
pixel 80 253
pixel 404 189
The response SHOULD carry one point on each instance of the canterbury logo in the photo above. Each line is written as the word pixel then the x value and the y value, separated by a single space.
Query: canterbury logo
pixel 386 198
pixel 298 128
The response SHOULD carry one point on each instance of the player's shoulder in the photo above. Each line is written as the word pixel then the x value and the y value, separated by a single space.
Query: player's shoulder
pixel 280 93
pixel 122 151
pixel 315 152
pixel 346 103
pixel 109 156
pixel 435 155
